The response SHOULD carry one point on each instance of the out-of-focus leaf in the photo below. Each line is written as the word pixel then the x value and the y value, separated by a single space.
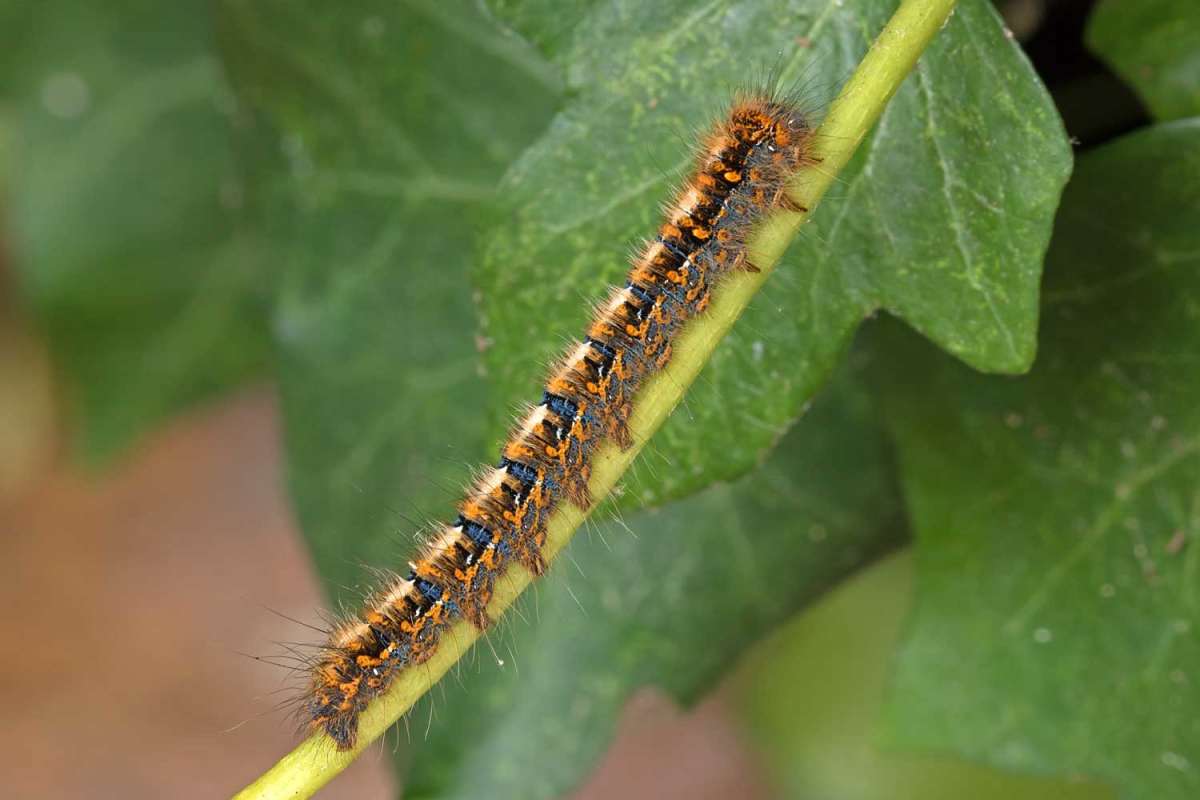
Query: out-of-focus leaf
pixel 943 216
pixel 1057 517
pixel 1155 46
pixel 123 196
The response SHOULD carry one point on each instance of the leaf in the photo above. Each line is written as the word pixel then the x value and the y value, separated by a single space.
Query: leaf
pixel 670 598
pixel 1057 517
pixel 1155 46
pixel 123 202
pixel 943 216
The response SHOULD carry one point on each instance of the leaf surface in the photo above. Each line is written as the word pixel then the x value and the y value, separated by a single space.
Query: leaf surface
pixel 1057 516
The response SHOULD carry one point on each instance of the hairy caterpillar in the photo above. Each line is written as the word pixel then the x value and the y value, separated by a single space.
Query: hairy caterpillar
pixel 742 168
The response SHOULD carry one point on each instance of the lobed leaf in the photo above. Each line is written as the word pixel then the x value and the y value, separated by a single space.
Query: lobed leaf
pixel 942 216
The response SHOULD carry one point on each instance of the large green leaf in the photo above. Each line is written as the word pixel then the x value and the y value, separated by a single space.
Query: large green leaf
pixel 668 597
pixel 1155 46
pixel 1057 517
pixel 942 217
pixel 394 124
pixel 123 197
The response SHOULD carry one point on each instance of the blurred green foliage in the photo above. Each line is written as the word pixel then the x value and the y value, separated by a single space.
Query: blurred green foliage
pixel 124 205
pixel 1155 46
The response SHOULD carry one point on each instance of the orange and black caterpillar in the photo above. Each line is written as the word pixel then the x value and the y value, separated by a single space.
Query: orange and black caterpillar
pixel 742 169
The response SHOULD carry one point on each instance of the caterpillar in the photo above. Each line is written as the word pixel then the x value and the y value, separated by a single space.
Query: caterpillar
pixel 742 167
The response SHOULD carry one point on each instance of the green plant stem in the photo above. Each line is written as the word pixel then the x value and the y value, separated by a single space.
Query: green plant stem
pixel 892 56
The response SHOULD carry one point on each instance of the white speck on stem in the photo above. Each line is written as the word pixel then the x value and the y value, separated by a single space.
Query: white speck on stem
pixel 1043 636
